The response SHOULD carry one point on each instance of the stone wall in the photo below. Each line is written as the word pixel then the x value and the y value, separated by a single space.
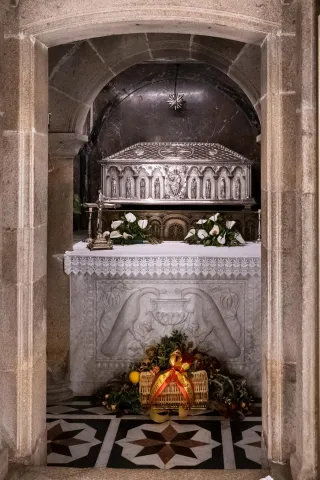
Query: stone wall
pixel 286 32
pixel 80 70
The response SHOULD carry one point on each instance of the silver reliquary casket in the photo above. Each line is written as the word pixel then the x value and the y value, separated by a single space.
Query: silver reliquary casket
pixel 178 174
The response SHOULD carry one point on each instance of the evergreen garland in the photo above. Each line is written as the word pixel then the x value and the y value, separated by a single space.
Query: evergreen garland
pixel 227 394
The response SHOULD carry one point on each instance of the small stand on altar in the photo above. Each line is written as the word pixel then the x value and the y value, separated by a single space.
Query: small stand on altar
pixel 100 242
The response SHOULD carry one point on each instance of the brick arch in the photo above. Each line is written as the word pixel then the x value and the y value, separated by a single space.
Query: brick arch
pixel 93 63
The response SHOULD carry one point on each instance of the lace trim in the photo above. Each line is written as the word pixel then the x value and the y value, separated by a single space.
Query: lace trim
pixel 134 267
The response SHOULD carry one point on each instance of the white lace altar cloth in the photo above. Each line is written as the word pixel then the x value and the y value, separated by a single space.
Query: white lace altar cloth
pixel 166 259
pixel 126 299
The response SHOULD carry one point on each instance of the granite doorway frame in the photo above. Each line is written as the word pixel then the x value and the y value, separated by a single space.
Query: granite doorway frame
pixel 289 258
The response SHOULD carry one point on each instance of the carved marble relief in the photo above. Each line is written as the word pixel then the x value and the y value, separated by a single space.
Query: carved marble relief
pixel 149 313
pixel 120 318
pixel 178 173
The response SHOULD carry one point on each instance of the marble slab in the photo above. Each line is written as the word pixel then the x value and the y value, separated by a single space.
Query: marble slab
pixel 113 319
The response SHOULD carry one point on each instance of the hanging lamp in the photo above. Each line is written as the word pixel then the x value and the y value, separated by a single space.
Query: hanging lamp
pixel 176 99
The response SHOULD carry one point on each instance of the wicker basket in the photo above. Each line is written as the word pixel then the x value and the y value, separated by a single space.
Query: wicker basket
pixel 171 397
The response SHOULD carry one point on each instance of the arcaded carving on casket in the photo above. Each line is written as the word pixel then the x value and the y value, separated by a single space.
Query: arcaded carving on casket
pixel 180 173
pixel 157 189
pixel 128 188
pixel 148 314
pixel 194 188
pixel 237 189
pixel 222 189
pixel 208 188
pixel 142 188
pixel 113 187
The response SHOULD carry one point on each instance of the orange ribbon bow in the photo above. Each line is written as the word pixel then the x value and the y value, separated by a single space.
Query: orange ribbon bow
pixel 176 374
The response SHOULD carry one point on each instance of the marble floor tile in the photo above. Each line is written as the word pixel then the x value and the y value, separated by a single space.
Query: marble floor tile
pixel 75 443
pixel 246 438
pixel 61 409
pixel 84 435
pixel 173 444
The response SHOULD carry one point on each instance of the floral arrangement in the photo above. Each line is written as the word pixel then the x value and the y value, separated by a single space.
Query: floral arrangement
pixel 227 394
pixel 129 229
pixel 215 231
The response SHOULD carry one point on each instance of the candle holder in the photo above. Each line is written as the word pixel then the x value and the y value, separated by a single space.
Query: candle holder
pixel 259 227
pixel 89 238
pixel 100 242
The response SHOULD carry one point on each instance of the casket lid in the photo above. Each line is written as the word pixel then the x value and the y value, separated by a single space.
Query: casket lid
pixel 161 152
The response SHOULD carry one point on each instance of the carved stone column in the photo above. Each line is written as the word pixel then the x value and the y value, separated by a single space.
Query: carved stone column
pixel 4 450
pixel 305 461
pixel 289 202
pixel 62 149
pixel 23 192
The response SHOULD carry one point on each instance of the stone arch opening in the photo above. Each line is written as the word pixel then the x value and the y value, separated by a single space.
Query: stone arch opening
pixel 239 61
pixel 283 259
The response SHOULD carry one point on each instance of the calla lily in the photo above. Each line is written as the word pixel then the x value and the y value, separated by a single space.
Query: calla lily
pixel 130 217
pixel 190 233
pixel 215 230
pixel 202 234
pixel 214 217
pixel 106 234
pixel 116 224
pixel 222 239
pixel 230 223
pixel 115 234
pixel 201 221
pixel 239 237
pixel 142 224
pixel 127 235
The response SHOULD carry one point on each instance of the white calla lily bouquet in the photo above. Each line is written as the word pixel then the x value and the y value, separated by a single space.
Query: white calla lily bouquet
pixel 130 229
pixel 215 231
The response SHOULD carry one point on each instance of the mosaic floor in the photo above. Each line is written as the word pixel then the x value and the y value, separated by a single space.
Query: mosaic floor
pixel 83 435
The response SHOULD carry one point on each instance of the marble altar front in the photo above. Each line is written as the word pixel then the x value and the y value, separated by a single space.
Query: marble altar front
pixel 125 299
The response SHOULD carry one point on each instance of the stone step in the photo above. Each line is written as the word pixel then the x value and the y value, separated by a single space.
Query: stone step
pixel 63 473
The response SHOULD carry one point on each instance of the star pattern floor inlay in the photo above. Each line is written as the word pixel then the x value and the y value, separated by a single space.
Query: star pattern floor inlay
pixel 67 442
pixel 83 435
pixel 167 445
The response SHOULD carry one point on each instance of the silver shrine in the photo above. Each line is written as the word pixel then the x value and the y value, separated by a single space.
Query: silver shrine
pixel 178 173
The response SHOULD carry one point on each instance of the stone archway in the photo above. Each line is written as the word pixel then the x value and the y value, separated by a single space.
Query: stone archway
pixel 289 191
pixel 95 62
